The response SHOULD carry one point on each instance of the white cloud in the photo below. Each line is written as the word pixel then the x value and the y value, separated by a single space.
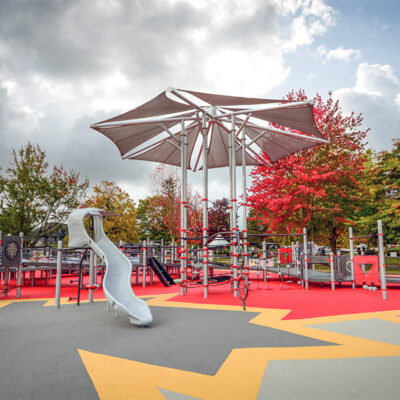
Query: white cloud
pixel 65 65
pixel 314 20
pixel 339 53
pixel 376 94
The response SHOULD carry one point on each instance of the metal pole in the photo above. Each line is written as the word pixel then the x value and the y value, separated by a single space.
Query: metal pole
pixel 296 250
pixel 183 254
pixel 279 261
pixel 19 277
pixel 232 166
pixel 332 267
pixel 150 253
pixel 58 275
pixel 162 251
pixel 91 274
pixel 351 240
pixel 381 255
pixel 144 263
pixel 231 252
pixel 95 269
pixel 305 244
pixel 205 207
pixel 264 252
pixel 246 267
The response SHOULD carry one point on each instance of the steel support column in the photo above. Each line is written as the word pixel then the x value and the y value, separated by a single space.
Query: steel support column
pixel 205 206
pixel 233 209
pixel 245 242
pixel 183 254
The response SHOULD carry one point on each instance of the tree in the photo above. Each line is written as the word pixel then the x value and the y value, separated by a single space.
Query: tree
pixel 382 184
pixel 218 216
pixel 110 197
pixel 34 198
pixel 160 214
pixel 318 187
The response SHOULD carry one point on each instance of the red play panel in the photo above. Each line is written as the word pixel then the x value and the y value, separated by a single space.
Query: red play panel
pixel 370 277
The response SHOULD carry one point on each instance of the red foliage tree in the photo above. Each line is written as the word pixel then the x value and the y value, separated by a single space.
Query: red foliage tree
pixel 317 188
pixel 218 216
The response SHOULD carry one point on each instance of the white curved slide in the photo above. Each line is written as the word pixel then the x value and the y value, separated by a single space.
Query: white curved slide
pixel 117 279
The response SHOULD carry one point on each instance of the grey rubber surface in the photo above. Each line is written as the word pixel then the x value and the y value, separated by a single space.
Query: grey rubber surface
pixel 373 329
pixel 38 345
pixel 348 378
pixel 169 395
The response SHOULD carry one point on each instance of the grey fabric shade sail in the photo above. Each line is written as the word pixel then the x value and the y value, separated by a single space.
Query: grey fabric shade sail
pixel 160 105
pixel 221 100
pixel 152 131
pixel 300 118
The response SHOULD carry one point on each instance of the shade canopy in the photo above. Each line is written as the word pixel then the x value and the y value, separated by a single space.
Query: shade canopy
pixel 152 131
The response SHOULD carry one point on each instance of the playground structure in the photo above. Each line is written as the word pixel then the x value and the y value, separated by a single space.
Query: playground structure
pixel 226 134
pixel 147 260
pixel 168 129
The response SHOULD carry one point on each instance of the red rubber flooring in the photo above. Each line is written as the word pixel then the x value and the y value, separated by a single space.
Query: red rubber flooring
pixel 318 301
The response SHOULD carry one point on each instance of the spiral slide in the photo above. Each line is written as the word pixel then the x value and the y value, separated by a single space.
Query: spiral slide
pixel 117 279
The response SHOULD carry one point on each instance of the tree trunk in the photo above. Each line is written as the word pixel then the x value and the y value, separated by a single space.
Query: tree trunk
pixel 333 237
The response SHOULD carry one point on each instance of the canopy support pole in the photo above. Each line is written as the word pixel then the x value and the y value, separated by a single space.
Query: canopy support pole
pixel 245 254
pixel 232 186
pixel 205 207
pixel 183 254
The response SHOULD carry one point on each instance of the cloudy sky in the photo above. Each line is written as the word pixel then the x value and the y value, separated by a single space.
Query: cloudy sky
pixel 65 64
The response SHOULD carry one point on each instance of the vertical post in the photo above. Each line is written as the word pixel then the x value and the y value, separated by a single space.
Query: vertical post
pixel 279 260
pixel 91 274
pixel 19 276
pixel 234 238
pixel 162 251
pixel 6 278
pixel 246 267
pixel 95 269
pixel 205 206
pixel 351 243
pixel 144 262
pixel 58 274
pixel 332 267
pixel 264 254
pixel 183 254
pixel 305 244
pixel 381 256
pixel 231 240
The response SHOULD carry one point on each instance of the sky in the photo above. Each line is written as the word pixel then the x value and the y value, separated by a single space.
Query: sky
pixel 66 64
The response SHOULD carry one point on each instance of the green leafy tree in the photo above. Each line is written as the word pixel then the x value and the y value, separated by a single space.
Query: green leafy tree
pixel 110 197
pixel 381 199
pixel 35 198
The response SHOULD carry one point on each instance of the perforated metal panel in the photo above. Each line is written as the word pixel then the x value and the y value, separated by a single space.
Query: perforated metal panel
pixel 11 251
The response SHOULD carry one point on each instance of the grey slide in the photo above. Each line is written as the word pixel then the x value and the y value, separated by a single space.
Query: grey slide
pixel 117 280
